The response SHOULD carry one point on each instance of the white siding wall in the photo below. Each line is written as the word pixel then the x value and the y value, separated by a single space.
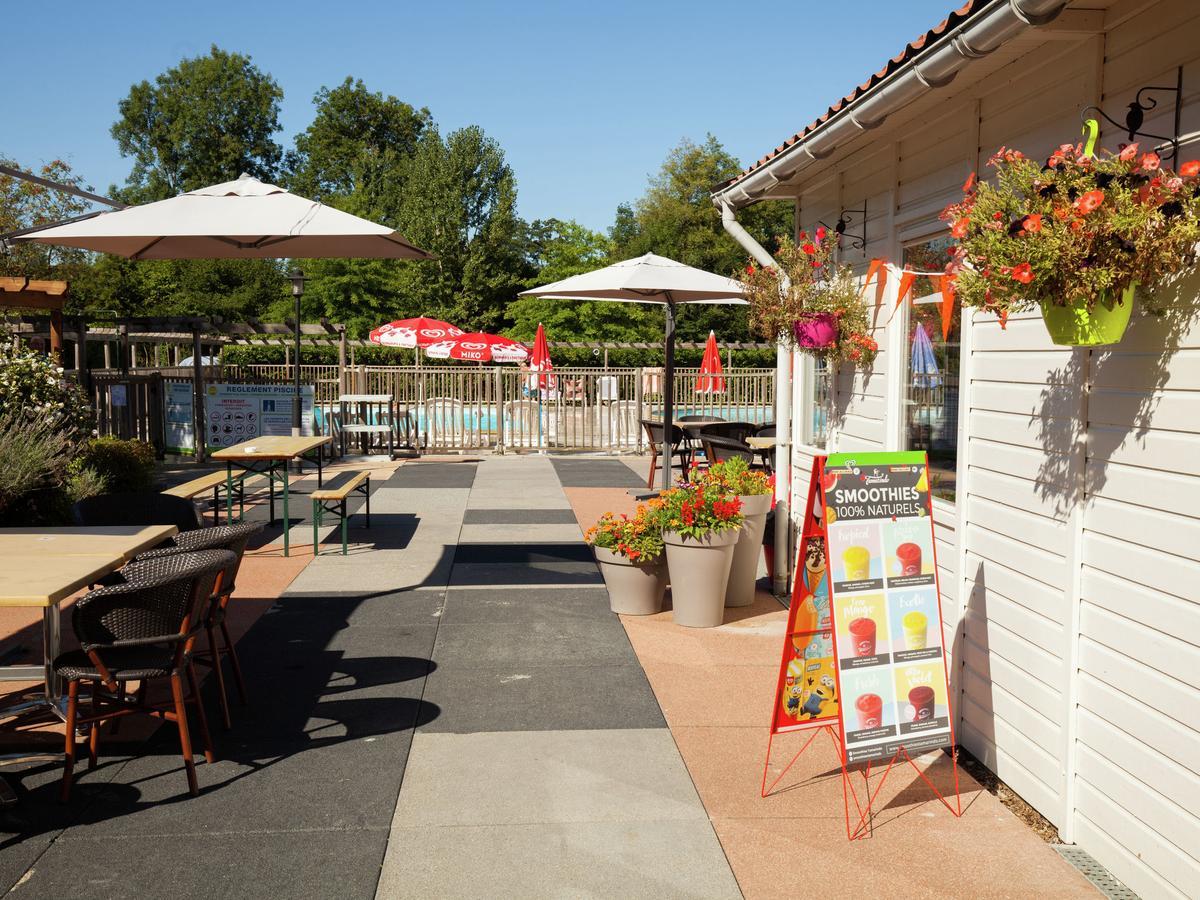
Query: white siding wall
pixel 1074 623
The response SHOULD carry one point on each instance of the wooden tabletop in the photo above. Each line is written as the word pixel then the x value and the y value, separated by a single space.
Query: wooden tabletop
pixel 276 446
pixel 761 443
pixel 43 566
pixel 126 541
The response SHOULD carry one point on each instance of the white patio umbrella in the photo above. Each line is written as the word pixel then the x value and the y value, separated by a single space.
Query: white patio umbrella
pixel 242 219
pixel 650 279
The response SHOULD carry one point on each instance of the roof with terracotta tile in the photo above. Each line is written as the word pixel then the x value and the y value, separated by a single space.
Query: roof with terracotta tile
pixel 911 51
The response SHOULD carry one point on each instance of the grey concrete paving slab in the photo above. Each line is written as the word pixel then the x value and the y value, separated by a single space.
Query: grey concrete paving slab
pixel 467 606
pixel 524 553
pixel 533 575
pixel 519 517
pixel 583 642
pixel 419 500
pixel 595 473
pixel 296 611
pixel 652 860
pixel 420 566
pixel 293 865
pixel 626 775
pixel 434 475
pixel 540 698
pixel 519 534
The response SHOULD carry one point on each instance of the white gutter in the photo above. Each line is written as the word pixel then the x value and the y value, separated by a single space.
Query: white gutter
pixel 783 411
pixel 978 36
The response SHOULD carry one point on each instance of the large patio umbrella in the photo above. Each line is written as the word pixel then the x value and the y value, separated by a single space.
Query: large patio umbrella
pixel 413 333
pixel 540 362
pixel 650 279
pixel 711 379
pixel 480 347
pixel 242 219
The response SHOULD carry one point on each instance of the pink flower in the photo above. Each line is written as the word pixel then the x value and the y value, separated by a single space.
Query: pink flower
pixel 1128 152
pixel 1150 162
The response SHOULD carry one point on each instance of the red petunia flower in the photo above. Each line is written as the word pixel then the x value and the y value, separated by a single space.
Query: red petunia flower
pixel 750 270
pixel 1022 273
pixel 1150 162
pixel 821 233
pixel 808 248
pixel 1190 169
pixel 969 183
pixel 959 228
pixel 1089 202
pixel 1128 152
pixel 1032 222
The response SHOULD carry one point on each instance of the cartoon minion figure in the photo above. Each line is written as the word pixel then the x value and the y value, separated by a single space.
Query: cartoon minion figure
pixel 823 692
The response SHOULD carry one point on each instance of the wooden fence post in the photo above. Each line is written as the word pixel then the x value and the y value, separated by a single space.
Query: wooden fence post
pixel 638 399
pixel 342 361
pixel 199 420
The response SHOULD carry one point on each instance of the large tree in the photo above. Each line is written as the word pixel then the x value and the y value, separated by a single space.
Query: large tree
pixel 205 121
pixel 676 218
pixel 24 204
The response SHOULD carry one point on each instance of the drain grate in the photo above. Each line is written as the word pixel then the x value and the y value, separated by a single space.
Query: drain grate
pixel 1095 873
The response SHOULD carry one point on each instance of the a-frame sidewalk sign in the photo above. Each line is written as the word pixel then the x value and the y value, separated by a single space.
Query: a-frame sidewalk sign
pixel 864 657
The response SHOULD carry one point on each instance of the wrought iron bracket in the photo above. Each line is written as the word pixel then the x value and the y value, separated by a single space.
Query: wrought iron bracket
pixel 1135 115
pixel 855 240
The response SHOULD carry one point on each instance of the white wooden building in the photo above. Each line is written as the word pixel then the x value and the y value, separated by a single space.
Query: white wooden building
pixel 1068 515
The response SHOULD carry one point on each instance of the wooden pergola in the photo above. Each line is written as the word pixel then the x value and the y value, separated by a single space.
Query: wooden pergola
pixel 47 296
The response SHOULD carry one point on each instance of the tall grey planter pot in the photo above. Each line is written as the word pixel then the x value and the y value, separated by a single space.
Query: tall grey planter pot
pixel 634 589
pixel 743 573
pixel 699 571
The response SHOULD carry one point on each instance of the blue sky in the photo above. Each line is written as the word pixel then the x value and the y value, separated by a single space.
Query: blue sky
pixel 585 98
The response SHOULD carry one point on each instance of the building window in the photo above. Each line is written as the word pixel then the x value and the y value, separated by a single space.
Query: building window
pixel 931 393
pixel 813 424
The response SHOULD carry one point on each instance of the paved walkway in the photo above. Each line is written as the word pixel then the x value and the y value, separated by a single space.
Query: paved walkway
pixel 452 711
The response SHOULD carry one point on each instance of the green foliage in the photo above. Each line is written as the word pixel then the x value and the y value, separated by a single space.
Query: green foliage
pixel 205 121
pixel 24 204
pixel 122 466
pixel 698 510
pixel 676 218
pixel 734 476
pixel 32 383
pixel 638 537
pixel 1074 231
pixel 35 453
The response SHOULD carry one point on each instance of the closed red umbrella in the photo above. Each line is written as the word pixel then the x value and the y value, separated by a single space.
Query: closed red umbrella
pixel 478 346
pixel 541 360
pixel 418 332
pixel 712 375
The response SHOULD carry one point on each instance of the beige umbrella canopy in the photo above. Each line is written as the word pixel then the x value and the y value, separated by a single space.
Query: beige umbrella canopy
pixel 650 279
pixel 243 219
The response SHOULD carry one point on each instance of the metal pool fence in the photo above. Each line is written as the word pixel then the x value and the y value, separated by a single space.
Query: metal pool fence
pixel 474 407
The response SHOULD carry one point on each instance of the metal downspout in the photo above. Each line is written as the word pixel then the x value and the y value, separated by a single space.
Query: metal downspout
pixel 783 410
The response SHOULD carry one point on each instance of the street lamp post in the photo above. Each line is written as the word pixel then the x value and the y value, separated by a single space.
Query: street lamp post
pixel 297 279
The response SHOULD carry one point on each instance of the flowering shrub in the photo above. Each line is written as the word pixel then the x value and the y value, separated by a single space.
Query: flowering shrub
pixel 697 510
pixel 33 383
pixel 734 476
pixel 1072 232
pixel 637 538
pixel 818 288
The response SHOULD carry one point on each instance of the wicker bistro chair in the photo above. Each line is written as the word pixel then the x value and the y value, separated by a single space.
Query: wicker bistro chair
pixel 734 431
pixel 719 449
pixel 141 630
pixel 679 448
pixel 223 537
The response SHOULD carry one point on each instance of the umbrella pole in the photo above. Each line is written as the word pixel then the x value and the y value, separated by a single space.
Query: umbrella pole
pixel 668 392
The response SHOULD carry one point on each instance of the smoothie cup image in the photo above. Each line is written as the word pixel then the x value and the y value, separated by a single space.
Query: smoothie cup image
pixel 915 630
pixel 857 561
pixel 870 710
pixel 921 700
pixel 908 555
pixel 862 636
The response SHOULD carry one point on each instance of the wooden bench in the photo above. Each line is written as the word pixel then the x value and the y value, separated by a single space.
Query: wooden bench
pixel 332 499
pixel 216 481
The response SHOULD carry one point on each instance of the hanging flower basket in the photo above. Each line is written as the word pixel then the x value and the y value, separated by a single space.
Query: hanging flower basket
pixel 818 308
pixel 1077 237
pixel 816 331
pixel 1104 323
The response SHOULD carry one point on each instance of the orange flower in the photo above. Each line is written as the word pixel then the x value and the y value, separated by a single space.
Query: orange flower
pixel 1128 152
pixel 969 183
pixel 959 228
pixel 1190 168
pixel 1061 213
pixel 1022 273
pixel 1150 162
pixel 1033 222
pixel 1089 202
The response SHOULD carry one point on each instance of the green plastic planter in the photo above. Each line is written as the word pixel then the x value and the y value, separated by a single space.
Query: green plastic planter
pixel 1072 326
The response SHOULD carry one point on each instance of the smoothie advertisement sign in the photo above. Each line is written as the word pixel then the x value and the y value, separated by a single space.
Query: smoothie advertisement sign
pixel 886 622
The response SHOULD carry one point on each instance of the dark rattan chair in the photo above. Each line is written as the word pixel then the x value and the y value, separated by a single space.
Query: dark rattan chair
pixel 719 449
pixel 223 537
pixel 137 509
pixel 679 448
pixel 141 630
pixel 734 431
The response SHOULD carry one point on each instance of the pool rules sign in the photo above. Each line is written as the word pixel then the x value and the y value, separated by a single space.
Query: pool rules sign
pixel 869 515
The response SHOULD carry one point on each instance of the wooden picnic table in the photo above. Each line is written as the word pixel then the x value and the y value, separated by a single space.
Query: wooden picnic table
pixel 270 455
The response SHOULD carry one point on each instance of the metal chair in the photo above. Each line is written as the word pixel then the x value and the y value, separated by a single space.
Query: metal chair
pixel 223 537
pixel 140 630
pixel 679 448
pixel 734 431
pixel 137 509
pixel 718 449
